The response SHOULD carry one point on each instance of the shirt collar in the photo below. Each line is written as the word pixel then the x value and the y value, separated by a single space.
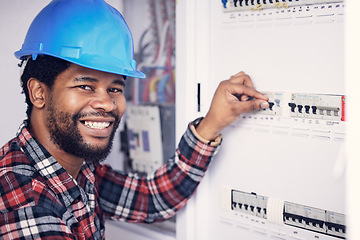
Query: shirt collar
pixel 56 177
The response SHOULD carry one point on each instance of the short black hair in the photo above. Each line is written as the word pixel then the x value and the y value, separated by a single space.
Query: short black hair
pixel 44 68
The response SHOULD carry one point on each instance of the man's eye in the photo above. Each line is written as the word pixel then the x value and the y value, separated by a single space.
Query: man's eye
pixel 115 90
pixel 85 87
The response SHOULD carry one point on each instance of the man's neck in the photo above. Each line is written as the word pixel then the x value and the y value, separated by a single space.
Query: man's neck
pixel 71 163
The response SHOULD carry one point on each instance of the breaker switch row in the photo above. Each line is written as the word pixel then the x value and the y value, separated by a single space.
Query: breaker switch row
pixel 245 5
pixel 293 214
pixel 314 219
pixel 249 203
pixel 305 105
pixel 317 106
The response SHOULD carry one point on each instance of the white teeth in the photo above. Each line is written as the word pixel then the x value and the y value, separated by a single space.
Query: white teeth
pixel 97 125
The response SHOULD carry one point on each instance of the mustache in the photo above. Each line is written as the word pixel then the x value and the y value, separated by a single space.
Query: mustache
pixel 79 115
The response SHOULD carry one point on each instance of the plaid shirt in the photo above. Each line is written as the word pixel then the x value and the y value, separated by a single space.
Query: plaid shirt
pixel 40 200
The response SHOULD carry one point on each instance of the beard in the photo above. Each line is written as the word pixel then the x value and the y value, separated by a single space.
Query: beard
pixel 64 132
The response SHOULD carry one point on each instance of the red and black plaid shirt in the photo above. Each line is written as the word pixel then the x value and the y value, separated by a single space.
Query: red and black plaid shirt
pixel 40 200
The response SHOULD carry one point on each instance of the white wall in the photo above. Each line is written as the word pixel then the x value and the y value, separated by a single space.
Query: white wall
pixel 16 16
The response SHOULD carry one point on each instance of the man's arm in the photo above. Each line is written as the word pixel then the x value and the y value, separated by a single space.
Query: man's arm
pixel 33 223
pixel 232 98
pixel 159 196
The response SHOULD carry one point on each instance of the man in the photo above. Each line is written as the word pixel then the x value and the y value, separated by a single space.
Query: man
pixel 75 58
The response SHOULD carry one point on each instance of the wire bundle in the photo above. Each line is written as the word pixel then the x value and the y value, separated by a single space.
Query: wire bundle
pixel 159 65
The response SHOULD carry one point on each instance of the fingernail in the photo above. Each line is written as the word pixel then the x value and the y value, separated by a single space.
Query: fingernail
pixel 264 105
pixel 245 98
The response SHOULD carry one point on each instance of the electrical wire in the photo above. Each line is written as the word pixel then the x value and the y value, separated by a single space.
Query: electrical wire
pixel 160 86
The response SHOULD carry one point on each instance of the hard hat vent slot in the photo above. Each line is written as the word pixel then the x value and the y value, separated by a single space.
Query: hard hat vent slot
pixel 70 52
pixel 133 64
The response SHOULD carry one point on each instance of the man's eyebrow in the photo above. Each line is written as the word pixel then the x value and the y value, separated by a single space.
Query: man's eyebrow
pixel 120 82
pixel 91 79
pixel 85 79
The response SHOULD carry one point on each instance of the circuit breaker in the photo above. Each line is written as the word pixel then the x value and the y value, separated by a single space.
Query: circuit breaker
pixel 309 114
pixel 258 208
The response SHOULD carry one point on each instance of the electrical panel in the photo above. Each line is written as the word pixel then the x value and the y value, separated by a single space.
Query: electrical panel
pixel 151 136
pixel 280 172
pixel 144 137
pixel 151 117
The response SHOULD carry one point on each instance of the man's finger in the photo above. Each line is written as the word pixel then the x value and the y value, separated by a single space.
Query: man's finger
pixel 242 78
pixel 246 93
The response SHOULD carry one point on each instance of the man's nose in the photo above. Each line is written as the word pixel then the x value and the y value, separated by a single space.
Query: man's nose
pixel 103 101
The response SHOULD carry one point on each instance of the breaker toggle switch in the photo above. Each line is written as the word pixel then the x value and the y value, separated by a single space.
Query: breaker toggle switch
pixel 314 109
pixel 317 106
pixel 292 106
pixel 271 105
pixel 300 108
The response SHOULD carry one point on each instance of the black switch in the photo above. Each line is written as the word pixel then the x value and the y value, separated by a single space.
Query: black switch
pixel 314 108
pixel 300 107
pixel 258 209
pixel 271 104
pixel 307 109
pixel 292 106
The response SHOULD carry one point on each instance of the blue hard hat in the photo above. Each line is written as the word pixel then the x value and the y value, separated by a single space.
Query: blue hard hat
pixel 89 33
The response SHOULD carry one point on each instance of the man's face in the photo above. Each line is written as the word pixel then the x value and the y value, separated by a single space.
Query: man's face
pixel 84 109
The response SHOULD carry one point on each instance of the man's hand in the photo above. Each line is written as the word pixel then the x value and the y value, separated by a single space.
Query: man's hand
pixel 232 98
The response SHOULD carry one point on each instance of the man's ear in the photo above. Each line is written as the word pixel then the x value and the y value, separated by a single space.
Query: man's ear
pixel 36 92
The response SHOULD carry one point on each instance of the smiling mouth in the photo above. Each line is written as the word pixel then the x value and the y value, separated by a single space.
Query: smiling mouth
pixel 96 125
